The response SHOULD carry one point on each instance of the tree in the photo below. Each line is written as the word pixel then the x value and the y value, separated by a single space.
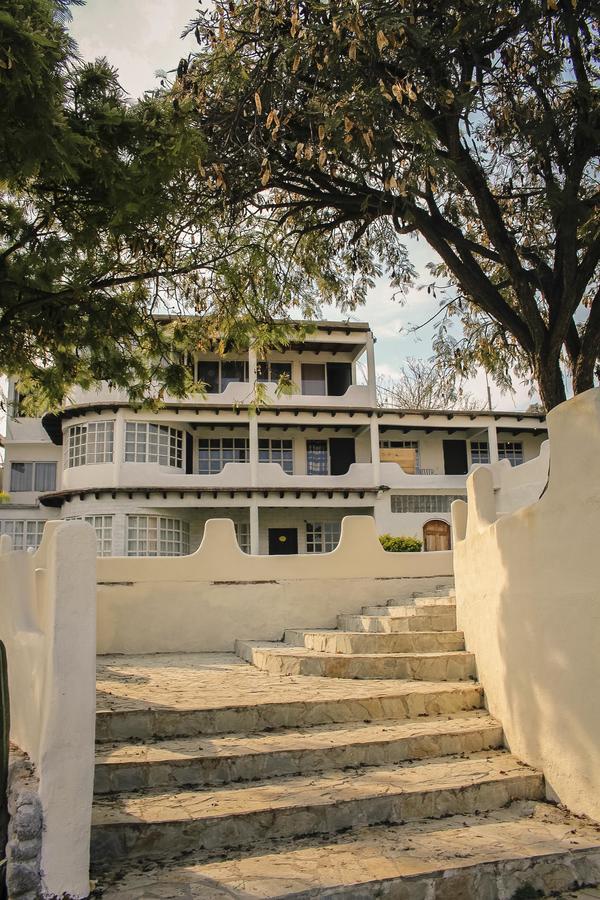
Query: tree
pixel 111 235
pixel 474 125
pixel 422 384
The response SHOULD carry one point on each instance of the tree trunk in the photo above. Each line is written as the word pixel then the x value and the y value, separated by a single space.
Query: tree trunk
pixel 550 381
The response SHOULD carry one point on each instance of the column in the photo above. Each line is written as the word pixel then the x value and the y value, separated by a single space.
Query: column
pixel 371 374
pixel 492 442
pixel 253 448
pixel 252 366
pixel 254 530
pixel 118 446
pixel 375 461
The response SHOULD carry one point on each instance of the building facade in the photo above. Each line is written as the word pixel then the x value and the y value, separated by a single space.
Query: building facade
pixel 286 473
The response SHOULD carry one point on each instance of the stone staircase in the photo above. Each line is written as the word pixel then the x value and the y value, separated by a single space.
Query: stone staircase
pixel 357 762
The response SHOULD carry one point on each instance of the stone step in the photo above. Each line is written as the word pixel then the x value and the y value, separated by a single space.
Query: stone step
pixel 408 611
pixel 156 824
pixel 335 702
pixel 281 659
pixel 330 641
pixel 435 601
pixel 386 624
pixel 527 846
pixel 248 757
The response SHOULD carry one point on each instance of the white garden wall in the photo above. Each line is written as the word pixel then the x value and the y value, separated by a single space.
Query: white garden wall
pixel 528 601
pixel 204 601
pixel 47 623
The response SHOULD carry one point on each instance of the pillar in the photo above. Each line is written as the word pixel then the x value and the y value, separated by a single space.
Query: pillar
pixel 492 442
pixel 254 530
pixel 253 448
pixel 371 374
pixel 118 446
pixel 375 461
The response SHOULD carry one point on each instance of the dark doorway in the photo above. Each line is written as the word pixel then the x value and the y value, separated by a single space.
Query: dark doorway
pixel 455 458
pixel 283 541
pixel 342 455
pixel 339 378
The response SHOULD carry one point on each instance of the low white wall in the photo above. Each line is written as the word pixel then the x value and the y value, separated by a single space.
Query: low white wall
pixel 47 623
pixel 528 601
pixel 217 594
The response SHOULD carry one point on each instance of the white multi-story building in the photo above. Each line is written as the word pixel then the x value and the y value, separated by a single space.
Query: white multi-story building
pixel 286 474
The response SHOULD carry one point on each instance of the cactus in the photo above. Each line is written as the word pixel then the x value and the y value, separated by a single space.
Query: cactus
pixel 4 749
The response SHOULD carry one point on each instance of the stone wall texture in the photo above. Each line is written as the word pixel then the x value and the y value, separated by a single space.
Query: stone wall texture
pixel 24 848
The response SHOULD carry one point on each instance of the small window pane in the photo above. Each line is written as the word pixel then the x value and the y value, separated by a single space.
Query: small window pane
pixel 232 370
pixel 21 476
pixel 208 374
pixel 313 379
pixel 512 451
pixel 317 458
pixel 322 537
pixel 45 476
pixel 480 453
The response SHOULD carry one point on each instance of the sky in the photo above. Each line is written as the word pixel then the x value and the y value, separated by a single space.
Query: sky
pixel 142 37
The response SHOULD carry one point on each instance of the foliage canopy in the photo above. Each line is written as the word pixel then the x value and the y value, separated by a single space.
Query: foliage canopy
pixel 474 125
pixel 111 235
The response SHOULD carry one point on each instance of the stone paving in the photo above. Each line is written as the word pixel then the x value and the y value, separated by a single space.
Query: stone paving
pixel 483 856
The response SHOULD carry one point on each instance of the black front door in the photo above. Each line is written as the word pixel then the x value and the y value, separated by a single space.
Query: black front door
pixel 455 458
pixel 342 454
pixel 283 541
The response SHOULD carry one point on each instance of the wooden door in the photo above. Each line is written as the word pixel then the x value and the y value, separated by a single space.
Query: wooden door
pixel 436 535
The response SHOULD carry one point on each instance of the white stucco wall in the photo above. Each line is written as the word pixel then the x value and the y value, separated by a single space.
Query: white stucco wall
pixel 47 623
pixel 208 599
pixel 528 601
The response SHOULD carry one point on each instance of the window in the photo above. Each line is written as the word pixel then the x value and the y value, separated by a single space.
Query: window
pixel 214 453
pixel 157 536
pixel 103 528
pixel 233 371
pixel 242 533
pixel 153 444
pixel 24 533
pixel 29 476
pixel 313 379
pixel 317 458
pixel 217 374
pixel 276 451
pixel 208 374
pixel 423 503
pixel 266 371
pixel 512 451
pixel 322 537
pixel 480 453
pixel 90 443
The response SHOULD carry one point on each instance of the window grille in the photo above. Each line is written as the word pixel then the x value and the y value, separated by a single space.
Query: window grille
pixel 90 443
pixel 480 453
pixel 423 503
pixel 214 453
pixel 157 536
pixel 147 443
pixel 512 451
pixel 242 533
pixel 322 537
pixel 103 526
pixel 277 451
pixel 24 532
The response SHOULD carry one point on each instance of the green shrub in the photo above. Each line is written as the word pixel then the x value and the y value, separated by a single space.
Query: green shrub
pixel 400 544
pixel 4 497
